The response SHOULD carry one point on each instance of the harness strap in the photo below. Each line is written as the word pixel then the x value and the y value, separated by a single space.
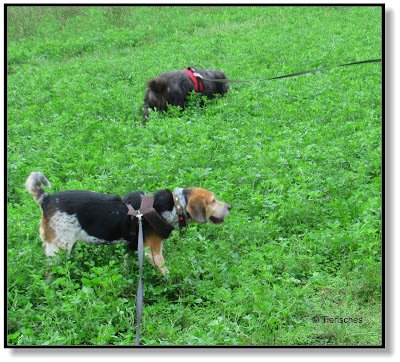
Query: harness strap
pixel 197 82
pixel 155 220
pixel 146 205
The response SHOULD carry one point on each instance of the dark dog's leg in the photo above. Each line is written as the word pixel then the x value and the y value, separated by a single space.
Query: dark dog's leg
pixel 145 114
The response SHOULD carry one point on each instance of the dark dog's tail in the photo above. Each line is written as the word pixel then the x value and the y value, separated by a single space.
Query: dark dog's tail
pixel 33 186
pixel 158 85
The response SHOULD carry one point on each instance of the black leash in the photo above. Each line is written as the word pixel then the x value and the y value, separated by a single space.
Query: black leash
pixel 282 76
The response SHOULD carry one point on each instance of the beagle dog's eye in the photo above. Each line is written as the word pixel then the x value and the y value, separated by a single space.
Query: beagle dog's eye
pixel 213 201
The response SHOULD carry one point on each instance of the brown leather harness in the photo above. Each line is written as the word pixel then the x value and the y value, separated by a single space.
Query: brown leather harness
pixel 155 220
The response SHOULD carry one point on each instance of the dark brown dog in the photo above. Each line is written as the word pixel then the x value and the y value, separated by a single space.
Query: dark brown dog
pixel 173 87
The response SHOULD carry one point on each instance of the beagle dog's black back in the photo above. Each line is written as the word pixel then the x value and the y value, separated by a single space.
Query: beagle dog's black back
pixel 102 216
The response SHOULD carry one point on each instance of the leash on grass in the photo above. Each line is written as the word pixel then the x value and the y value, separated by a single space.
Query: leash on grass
pixel 281 76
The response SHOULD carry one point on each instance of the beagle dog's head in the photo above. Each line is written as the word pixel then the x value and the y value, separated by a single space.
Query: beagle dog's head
pixel 202 206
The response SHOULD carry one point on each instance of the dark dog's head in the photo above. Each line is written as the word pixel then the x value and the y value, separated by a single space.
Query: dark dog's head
pixel 156 95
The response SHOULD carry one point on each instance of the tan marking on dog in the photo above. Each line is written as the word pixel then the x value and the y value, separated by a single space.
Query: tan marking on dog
pixel 155 254
pixel 48 235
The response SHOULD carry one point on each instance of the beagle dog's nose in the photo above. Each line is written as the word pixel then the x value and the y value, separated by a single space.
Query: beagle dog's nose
pixel 229 207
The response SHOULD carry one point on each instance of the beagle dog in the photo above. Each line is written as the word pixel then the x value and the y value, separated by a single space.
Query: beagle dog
pixel 96 218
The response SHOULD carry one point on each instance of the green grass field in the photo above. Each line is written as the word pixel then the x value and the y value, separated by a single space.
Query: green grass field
pixel 299 160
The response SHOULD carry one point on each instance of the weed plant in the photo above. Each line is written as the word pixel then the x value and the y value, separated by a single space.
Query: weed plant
pixel 299 160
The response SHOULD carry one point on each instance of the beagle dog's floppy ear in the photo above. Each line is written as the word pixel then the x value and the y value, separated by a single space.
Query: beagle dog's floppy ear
pixel 196 208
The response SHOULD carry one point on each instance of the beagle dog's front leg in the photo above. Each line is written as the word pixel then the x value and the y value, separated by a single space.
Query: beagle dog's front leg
pixel 155 254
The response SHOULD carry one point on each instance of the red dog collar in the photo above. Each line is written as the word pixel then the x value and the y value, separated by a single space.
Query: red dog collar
pixel 195 80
